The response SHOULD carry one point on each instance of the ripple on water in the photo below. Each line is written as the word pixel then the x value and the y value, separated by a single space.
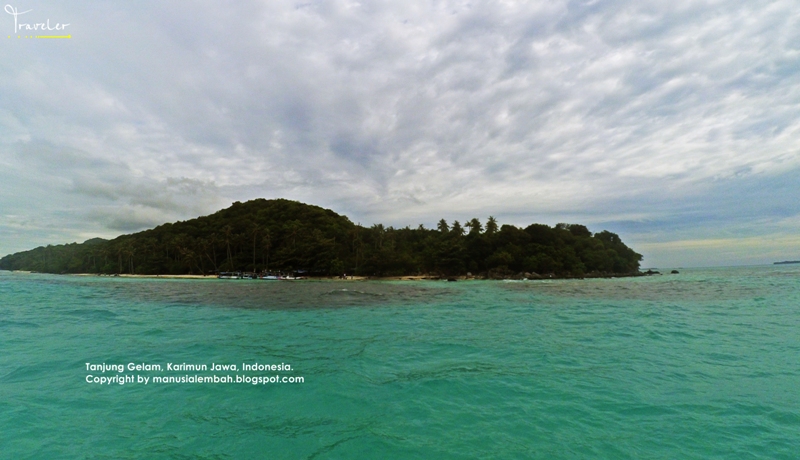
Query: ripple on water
pixel 701 365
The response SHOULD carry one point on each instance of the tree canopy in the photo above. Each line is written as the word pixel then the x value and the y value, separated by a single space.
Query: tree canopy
pixel 283 235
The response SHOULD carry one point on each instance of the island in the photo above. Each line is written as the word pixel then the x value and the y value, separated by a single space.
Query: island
pixel 787 262
pixel 279 235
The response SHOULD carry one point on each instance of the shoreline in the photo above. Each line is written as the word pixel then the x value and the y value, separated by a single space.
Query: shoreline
pixel 354 278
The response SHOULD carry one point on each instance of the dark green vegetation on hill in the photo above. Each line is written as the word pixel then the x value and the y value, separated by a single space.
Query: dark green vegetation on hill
pixel 262 235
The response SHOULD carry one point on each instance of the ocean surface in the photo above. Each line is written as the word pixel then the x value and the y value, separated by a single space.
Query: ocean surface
pixel 702 364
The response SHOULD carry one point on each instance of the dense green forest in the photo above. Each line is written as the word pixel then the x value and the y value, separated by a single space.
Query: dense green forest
pixel 281 235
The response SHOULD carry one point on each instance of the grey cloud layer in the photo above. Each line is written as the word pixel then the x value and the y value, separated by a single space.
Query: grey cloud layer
pixel 631 114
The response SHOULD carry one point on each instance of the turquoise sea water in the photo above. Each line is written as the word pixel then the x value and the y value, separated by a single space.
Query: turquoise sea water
pixel 704 364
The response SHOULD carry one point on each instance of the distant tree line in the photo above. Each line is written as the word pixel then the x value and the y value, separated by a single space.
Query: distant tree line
pixel 281 235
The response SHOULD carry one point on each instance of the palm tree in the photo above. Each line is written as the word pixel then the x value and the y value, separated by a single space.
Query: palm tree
pixel 210 250
pixel 227 230
pixel 266 243
pixel 119 254
pixel 293 227
pixel 474 225
pixel 379 230
pixel 255 235
pixel 491 226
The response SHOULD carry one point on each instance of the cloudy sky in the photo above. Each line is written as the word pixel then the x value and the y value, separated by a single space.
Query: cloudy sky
pixel 675 124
